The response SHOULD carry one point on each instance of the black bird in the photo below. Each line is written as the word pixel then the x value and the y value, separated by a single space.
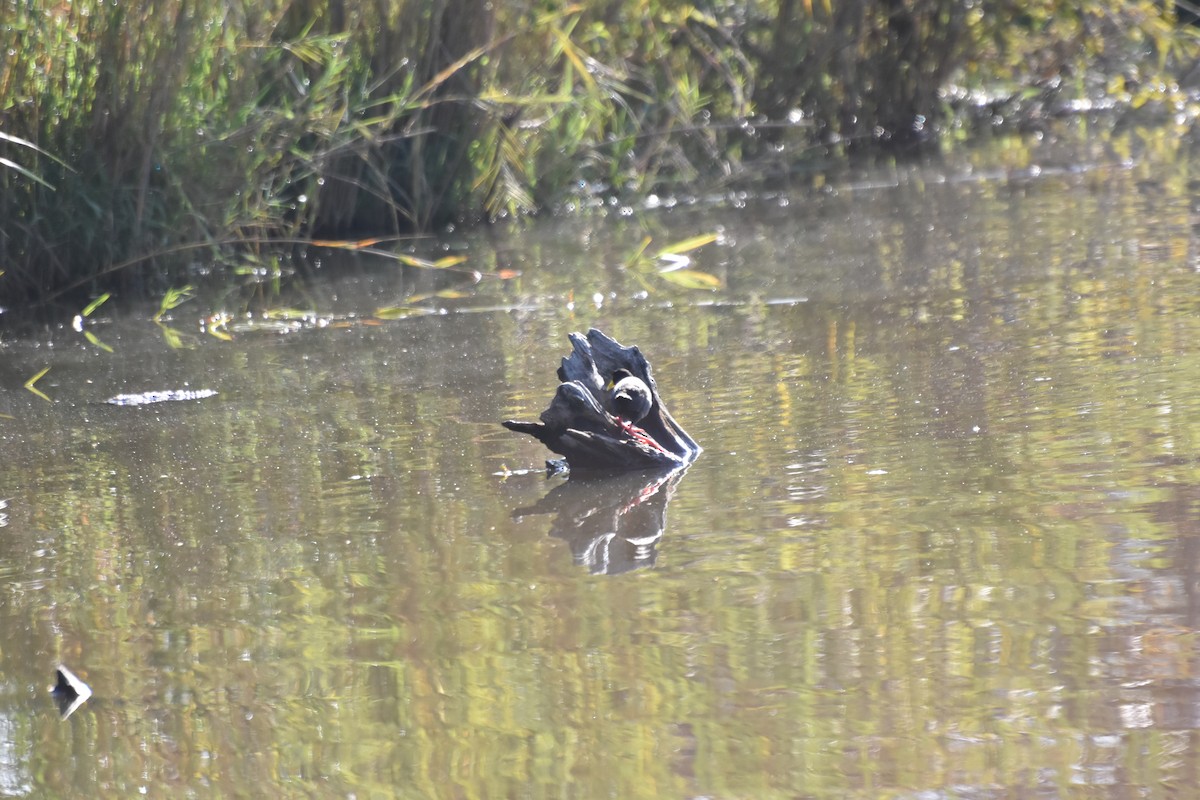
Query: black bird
pixel 630 398
pixel 604 394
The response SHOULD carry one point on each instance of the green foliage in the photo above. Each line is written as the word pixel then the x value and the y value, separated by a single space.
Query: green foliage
pixel 131 134
pixel 173 299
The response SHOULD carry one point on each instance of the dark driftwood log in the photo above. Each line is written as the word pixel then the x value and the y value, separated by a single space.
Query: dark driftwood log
pixel 580 424
pixel 68 691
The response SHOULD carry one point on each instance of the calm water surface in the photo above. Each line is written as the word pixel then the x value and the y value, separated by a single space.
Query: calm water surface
pixel 943 541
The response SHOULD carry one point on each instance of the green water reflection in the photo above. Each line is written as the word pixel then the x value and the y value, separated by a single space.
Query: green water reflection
pixel 943 538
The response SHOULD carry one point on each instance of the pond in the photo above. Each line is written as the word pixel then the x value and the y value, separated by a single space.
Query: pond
pixel 943 540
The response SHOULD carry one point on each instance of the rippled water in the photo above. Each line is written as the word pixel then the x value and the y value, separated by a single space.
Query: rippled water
pixel 943 540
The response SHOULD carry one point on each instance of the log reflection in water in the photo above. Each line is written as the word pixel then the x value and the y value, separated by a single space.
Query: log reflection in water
pixel 612 524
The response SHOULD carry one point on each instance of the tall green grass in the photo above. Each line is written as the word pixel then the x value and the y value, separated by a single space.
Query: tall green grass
pixel 139 138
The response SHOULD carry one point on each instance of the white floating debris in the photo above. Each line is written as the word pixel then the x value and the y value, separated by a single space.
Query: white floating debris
pixel 162 396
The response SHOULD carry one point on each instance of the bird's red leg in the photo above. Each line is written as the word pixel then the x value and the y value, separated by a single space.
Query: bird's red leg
pixel 640 435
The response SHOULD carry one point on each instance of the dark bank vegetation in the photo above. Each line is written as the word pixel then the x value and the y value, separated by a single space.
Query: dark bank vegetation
pixel 139 139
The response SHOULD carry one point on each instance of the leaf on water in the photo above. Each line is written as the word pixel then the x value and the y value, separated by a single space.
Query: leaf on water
pixel 287 314
pixel 94 339
pixel 637 255
pixel 646 285
pixel 345 245
pixel 29 384
pixel 687 245
pixel 691 279
pixel 449 293
pixel 92 306
pixel 215 325
pixel 397 312
pixel 411 261
pixel 420 263
pixel 419 297
pixel 172 337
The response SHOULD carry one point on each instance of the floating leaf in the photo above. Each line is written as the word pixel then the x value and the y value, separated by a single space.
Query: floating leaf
pixel 92 306
pixel 670 253
pixel 448 261
pixel 398 312
pixel 287 314
pixel 692 279
pixel 344 245
pixel 638 254
pixel 412 261
pixel 172 337
pixel 29 384
pixel 420 263
pixel 215 325
pixel 687 245
pixel 94 339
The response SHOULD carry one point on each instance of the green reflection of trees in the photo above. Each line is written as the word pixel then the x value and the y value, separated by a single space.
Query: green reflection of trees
pixel 968 460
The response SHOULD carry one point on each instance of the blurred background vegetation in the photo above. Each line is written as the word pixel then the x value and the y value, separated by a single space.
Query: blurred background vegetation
pixel 135 139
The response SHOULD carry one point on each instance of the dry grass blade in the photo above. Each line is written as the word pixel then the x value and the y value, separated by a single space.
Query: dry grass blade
pixel 4 162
